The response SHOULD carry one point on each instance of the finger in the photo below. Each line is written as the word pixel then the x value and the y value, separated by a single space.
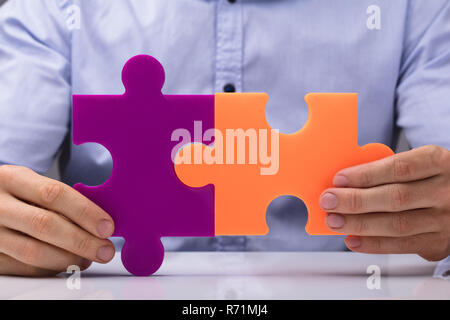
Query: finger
pixel 37 253
pixel 427 245
pixel 12 267
pixel 412 165
pixel 385 198
pixel 27 185
pixel 51 228
pixel 384 224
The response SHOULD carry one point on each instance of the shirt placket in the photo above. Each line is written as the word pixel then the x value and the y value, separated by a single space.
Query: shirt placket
pixel 229 37
pixel 228 75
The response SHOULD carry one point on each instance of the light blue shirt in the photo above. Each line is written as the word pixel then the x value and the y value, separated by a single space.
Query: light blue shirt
pixel 395 54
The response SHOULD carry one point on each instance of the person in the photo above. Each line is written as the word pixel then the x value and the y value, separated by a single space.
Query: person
pixel 394 54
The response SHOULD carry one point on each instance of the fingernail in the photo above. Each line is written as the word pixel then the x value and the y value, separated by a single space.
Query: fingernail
pixel 105 228
pixel 353 242
pixel 335 220
pixel 105 253
pixel 328 201
pixel 340 181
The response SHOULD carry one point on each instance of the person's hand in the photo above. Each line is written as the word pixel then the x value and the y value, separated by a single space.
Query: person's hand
pixel 400 204
pixel 46 226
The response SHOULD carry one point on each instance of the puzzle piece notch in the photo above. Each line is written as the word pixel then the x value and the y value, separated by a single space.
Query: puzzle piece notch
pixel 143 194
pixel 308 161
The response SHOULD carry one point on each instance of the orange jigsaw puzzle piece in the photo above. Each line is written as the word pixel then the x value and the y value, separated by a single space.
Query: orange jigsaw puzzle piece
pixel 307 161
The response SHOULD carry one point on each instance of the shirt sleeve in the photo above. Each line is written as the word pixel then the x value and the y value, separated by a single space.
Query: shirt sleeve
pixel 423 91
pixel 35 86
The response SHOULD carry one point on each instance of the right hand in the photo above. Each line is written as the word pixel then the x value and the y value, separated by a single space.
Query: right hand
pixel 46 226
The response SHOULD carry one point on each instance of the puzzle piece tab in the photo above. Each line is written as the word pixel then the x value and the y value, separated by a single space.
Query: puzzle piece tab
pixel 149 197
pixel 308 160
pixel 143 195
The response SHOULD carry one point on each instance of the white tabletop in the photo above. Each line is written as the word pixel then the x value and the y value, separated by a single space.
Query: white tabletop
pixel 250 275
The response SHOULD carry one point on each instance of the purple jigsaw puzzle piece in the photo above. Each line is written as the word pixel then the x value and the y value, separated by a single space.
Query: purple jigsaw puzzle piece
pixel 143 195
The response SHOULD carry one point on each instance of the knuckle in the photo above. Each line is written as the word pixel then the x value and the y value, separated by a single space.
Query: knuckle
pixel 405 244
pixel 355 201
pixel 82 245
pixel 11 170
pixel 7 171
pixel 437 156
pixel 41 223
pixel 446 160
pixel 365 177
pixel 361 226
pixel 50 192
pixel 377 245
pixel 446 194
pixel 83 213
pixel 399 197
pixel 30 253
pixel 439 222
pixel 409 245
pixel 441 193
pixel 401 224
pixel 402 169
pixel 3 207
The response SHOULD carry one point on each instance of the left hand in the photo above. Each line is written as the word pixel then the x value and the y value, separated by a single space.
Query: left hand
pixel 400 204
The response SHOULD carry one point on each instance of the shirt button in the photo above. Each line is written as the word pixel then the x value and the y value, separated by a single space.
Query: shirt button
pixel 229 88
